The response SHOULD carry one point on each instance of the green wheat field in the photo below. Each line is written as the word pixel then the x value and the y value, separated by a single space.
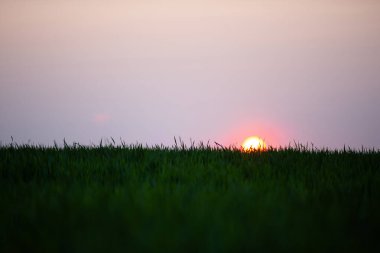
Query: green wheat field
pixel 133 198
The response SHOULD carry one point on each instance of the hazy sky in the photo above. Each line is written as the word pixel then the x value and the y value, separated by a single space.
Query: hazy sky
pixel 149 70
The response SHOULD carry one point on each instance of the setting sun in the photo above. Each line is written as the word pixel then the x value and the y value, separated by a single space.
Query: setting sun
pixel 253 143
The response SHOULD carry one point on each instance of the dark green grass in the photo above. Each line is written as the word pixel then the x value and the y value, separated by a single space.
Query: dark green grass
pixel 188 200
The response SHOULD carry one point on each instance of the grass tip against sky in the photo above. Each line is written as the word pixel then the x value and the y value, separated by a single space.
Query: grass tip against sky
pixel 252 144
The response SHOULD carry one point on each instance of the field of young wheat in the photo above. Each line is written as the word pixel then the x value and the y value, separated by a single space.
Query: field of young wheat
pixel 180 199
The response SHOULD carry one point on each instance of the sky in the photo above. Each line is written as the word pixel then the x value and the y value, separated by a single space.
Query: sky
pixel 304 71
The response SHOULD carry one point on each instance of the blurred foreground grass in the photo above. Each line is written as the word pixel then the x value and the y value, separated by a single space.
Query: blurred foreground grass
pixel 136 199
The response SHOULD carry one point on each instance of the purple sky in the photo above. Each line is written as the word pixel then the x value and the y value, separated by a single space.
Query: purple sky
pixel 149 70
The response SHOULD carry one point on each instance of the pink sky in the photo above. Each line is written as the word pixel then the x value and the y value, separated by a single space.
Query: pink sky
pixel 147 71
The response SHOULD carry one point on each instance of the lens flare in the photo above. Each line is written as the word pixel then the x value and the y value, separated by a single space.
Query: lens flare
pixel 254 143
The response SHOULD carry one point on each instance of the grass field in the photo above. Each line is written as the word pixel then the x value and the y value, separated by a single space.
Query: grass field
pixel 137 199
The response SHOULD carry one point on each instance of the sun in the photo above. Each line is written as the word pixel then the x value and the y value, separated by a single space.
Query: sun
pixel 253 143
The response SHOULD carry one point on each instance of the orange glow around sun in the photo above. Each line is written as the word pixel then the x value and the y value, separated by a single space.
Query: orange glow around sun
pixel 254 143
